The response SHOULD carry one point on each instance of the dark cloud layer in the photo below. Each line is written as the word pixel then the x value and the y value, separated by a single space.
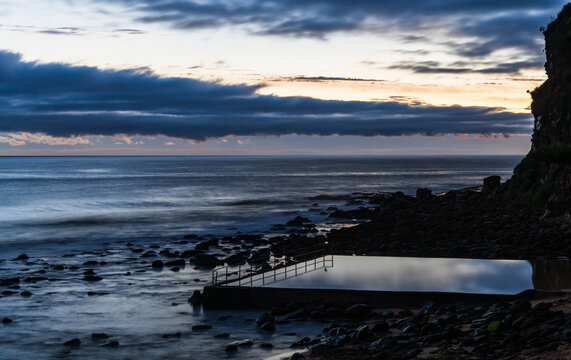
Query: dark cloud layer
pixel 490 24
pixel 63 100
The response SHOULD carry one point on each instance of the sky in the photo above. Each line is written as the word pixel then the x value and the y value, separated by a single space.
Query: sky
pixel 269 77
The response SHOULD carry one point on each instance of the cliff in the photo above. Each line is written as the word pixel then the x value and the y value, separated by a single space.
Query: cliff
pixel 544 175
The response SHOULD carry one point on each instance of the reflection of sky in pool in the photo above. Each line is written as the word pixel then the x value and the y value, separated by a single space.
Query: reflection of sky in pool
pixel 418 274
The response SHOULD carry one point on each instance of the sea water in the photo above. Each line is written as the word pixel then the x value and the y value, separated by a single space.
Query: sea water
pixel 65 211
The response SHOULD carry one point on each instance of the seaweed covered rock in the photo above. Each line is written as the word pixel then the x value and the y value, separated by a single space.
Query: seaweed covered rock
pixel 544 175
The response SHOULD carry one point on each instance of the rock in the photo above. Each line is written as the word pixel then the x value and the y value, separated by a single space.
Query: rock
pixel 91 262
pixel 73 342
pixel 21 257
pixel 92 278
pixel 26 293
pixel 295 356
pixel 358 311
pixel 298 221
pixel 222 336
pixel 113 343
pixel 319 349
pixel 196 298
pixel 175 269
pixel 363 332
pixel 265 318
pixel 7 320
pixel 519 307
pixel 266 345
pixel 179 263
pixel 301 343
pixel 267 326
pixel 201 327
pixel 492 183
pixel 206 260
pixel 231 348
pixel 423 194
pixel 206 244
pixel 157 264
pixel 190 236
pixel 98 336
pixel 243 343
pixel 10 281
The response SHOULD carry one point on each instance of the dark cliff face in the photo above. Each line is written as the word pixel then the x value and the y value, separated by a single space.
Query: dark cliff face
pixel 544 175
pixel 551 104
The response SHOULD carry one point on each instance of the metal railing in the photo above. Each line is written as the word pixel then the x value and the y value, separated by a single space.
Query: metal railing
pixel 276 267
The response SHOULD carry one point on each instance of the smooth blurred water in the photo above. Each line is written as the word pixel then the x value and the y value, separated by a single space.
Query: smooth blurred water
pixel 78 199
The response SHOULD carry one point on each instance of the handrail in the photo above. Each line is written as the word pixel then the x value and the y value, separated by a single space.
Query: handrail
pixel 279 269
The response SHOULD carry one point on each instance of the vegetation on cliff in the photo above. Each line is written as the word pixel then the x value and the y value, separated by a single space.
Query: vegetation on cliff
pixel 544 175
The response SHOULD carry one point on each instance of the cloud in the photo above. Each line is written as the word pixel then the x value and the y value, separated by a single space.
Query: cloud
pixel 64 101
pixel 433 67
pixel 484 25
pixel 325 79
pixel 74 31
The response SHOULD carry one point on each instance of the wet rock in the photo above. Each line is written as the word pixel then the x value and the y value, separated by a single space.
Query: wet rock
pixel 73 342
pixel 265 318
pixel 26 293
pixel 301 343
pixel 157 264
pixel 21 257
pixel 243 343
pixel 190 237
pixel 99 336
pixel 266 345
pixel 174 335
pixel 492 183
pixel 201 327
pixel 236 259
pixel 57 267
pixel 298 221
pixel 196 298
pixel 423 194
pixel 94 293
pixel 7 321
pixel 206 260
pixel 113 343
pixel 319 349
pixel 92 278
pixel 295 356
pixel 91 262
pixel 205 245
pixel 267 326
pixel 35 278
pixel 358 311
pixel 8 282
pixel 175 269
pixel 8 292
pixel 222 336
pixel 231 348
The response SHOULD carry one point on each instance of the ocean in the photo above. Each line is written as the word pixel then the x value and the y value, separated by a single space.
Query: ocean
pixel 93 199
pixel 112 216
